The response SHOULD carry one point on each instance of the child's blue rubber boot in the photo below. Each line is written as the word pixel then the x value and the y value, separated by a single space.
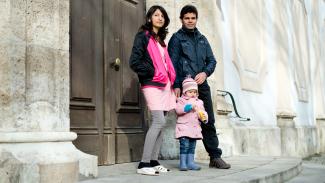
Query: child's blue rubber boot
pixel 190 163
pixel 182 162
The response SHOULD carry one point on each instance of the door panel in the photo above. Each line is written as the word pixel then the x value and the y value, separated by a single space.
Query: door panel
pixel 125 99
pixel 106 106
pixel 86 82
pixel 130 17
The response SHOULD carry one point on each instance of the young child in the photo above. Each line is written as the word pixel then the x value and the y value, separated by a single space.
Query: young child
pixel 190 112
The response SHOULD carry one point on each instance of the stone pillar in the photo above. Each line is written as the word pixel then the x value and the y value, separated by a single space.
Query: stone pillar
pixel 321 134
pixel 35 138
pixel 289 134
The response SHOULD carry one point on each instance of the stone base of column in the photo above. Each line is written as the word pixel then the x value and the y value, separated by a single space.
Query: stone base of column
pixel 321 134
pixel 288 133
pixel 40 157
pixel 38 162
pixel 256 140
pixel 296 141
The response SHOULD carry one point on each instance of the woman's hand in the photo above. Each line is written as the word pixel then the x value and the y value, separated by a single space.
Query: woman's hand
pixel 177 92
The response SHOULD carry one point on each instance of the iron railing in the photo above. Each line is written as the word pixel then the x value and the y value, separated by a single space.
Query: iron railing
pixel 225 93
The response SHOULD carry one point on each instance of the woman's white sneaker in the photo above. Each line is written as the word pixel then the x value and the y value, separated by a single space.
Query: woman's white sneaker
pixel 161 169
pixel 148 171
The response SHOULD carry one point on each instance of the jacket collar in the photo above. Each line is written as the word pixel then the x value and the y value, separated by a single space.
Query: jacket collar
pixel 194 31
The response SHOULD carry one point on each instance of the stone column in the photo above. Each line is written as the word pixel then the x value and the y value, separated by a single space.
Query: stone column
pixel 321 133
pixel 35 138
pixel 289 134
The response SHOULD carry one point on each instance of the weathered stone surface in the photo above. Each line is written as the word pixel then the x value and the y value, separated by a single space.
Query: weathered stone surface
pixel 34 72
pixel 34 94
pixel 41 162
pixel 321 135
pixel 9 168
pixel 257 141
pixel 61 172
pixel 12 90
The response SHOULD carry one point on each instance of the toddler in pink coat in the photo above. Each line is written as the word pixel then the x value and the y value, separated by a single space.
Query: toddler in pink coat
pixel 191 113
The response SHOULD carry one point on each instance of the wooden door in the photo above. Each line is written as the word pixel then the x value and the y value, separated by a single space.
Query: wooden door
pixel 86 75
pixel 106 109
pixel 122 20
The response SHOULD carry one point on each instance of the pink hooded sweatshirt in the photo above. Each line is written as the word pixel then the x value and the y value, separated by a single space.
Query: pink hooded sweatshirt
pixel 188 124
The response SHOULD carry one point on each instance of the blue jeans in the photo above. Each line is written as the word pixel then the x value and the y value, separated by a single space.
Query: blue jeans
pixel 187 145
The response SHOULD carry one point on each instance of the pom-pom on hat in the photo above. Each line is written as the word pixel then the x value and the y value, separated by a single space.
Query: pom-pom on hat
pixel 189 84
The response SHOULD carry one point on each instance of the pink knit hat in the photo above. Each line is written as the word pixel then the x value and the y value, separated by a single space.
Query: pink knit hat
pixel 189 84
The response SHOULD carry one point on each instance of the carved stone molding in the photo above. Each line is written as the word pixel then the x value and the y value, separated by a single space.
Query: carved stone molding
pixel 320 117
pixel 300 49
pixel 285 119
pixel 249 56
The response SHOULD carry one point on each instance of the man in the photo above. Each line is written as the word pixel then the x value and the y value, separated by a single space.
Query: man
pixel 191 54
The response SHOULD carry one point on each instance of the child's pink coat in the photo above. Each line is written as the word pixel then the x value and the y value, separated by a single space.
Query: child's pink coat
pixel 188 124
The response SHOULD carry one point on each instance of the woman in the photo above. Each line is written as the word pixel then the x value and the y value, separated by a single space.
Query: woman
pixel 150 60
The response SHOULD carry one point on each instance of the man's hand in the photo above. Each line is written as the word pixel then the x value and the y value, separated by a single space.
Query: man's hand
pixel 200 78
pixel 177 92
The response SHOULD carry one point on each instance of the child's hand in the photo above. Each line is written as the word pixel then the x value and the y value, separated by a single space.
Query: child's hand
pixel 188 107
pixel 195 108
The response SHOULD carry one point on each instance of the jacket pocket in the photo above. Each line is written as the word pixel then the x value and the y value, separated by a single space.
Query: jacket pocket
pixel 150 70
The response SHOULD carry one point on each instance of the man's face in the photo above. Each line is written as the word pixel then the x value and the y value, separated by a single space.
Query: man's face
pixel 189 20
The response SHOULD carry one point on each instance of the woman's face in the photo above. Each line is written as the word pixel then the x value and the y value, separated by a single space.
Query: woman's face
pixel 157 19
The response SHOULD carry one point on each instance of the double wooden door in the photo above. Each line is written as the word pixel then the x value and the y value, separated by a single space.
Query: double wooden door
pixel 106 109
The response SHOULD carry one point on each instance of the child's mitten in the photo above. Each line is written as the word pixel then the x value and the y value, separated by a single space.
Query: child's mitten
pixel 188 107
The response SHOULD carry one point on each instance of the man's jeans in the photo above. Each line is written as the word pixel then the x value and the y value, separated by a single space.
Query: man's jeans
pixel 210 138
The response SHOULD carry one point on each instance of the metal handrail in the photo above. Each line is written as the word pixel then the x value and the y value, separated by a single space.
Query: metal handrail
pixel 234 104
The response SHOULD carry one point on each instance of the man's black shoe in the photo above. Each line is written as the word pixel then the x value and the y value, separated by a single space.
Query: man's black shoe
pixel 218 163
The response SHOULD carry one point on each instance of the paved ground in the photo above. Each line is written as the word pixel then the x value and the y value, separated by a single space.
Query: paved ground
pixel 313 171
pixel 244 169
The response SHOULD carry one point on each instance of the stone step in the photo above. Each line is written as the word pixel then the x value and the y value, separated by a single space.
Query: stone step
pixel 311 173
pixel 244 169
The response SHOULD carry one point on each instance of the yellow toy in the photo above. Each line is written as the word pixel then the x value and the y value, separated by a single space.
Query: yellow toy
pixel 202 117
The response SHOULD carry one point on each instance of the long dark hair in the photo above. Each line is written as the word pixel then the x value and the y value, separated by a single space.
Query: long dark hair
pixel 162 32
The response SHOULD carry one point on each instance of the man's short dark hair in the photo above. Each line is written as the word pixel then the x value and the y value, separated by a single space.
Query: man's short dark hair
pixel 188 9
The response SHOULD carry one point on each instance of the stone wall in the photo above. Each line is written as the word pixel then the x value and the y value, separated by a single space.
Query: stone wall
pixel 271 58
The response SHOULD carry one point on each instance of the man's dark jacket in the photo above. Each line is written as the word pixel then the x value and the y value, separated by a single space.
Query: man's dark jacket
pixel 191 54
